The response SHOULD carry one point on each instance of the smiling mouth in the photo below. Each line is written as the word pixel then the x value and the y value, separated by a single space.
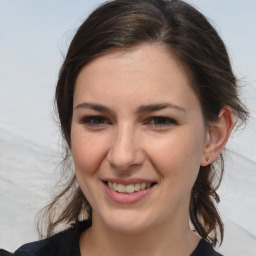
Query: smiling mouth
pixel 129 188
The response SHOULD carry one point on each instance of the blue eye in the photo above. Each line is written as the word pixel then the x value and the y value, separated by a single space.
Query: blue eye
pixel 94 121
pixel 160 121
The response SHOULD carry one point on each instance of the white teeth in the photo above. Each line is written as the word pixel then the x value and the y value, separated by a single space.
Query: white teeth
pixel 115 186
pixel 142 185
pixel 110 184
pixel 130 188
pixel 137 187
pixel 121 188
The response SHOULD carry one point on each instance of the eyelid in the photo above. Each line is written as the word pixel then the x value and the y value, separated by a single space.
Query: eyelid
pixel 166 121
pixel 97 121
pixel 93 121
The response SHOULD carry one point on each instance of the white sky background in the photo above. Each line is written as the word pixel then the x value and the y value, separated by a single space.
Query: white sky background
pixel 33 34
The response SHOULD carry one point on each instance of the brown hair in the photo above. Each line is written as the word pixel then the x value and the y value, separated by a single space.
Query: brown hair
pixel 189 36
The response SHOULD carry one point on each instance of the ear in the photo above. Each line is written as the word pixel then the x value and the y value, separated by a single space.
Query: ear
pixel 217 136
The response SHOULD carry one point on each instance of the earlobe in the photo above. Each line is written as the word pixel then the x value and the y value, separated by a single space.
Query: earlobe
pixel 217 136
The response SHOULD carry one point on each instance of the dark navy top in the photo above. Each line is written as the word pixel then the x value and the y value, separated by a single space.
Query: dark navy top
pixel 66 243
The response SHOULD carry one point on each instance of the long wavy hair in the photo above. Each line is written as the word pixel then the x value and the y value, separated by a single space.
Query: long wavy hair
pixel 186 34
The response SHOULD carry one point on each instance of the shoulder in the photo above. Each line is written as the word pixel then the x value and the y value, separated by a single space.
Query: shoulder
pixel 49 246
pixel 204 249
pixel 62 243
pixel 5 253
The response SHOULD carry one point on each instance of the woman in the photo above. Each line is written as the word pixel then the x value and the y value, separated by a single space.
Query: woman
pixel 147 100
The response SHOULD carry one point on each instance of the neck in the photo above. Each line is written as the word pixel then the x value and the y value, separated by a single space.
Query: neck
pixel 173 238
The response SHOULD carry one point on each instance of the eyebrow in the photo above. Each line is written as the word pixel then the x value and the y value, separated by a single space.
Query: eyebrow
pixel 157 107
pixel 141 109
pixel 93 106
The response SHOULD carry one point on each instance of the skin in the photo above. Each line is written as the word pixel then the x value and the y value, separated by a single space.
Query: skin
pixel 166 146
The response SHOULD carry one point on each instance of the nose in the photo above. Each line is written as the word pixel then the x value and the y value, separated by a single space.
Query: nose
pixel 125 150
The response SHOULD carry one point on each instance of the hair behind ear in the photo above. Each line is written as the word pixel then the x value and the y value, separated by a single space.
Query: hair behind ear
pixel 203 212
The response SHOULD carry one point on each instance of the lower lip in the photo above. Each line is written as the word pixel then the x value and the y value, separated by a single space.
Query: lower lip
pixel 125 198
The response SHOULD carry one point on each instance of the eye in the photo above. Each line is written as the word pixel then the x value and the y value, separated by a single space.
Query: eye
pixel 160 121
pixel 95 121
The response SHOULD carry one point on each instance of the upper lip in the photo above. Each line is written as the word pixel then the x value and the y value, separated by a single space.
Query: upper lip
pixel 128 181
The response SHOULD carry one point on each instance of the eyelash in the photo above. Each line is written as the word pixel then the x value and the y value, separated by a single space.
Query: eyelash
pixel 95 121
pixel 156 121
pixel 161 122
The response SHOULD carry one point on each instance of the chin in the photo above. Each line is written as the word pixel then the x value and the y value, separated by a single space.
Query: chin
pixel 128 228
pixel 128 222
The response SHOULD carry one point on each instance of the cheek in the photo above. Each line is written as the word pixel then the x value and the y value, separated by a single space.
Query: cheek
pixel 88 151
pixel 178 155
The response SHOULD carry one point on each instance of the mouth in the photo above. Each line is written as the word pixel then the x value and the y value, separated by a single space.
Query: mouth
pixel 129 188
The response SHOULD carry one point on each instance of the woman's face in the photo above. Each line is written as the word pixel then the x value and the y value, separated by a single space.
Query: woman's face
pixel 137 139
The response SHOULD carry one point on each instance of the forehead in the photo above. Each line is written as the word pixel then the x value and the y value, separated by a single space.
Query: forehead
pixel 147 73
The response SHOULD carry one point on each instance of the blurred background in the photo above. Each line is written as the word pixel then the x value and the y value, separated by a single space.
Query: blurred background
pixel 34 36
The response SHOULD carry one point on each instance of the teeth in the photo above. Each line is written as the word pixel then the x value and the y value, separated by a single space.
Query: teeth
pixel 121 188
pixel 142 185
pixel 110 184
pixel 130 188
pixel 137 187
pixel 115 186
pixel 148 185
